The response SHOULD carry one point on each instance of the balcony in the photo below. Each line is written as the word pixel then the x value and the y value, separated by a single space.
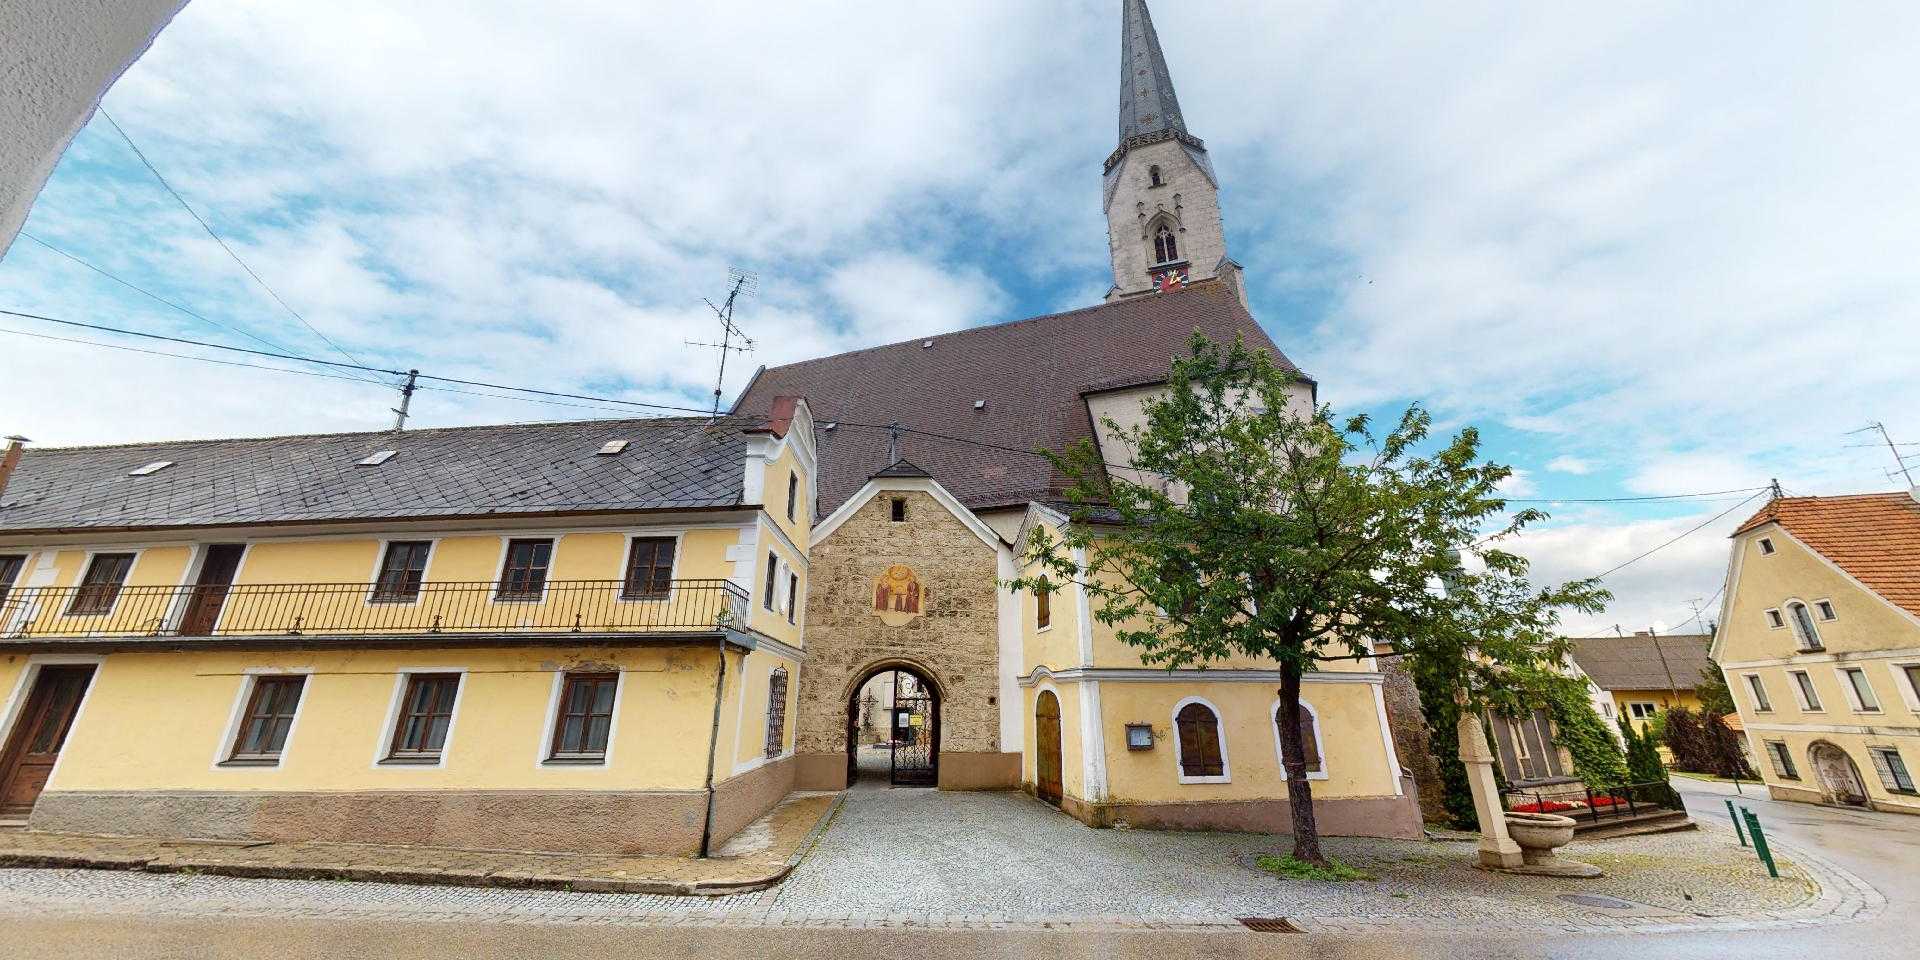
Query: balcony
pixel 555 608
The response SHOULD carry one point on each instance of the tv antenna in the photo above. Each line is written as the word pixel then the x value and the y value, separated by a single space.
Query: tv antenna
pixel 1899 462
pixel 739 283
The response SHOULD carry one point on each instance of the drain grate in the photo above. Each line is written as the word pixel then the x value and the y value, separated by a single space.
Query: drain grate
pixel 1268 924
pixel 1601 901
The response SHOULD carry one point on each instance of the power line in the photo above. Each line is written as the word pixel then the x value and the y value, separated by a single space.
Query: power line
pixel 185 356
pixel 1668 496
pixel 216 237
pixel 1690 532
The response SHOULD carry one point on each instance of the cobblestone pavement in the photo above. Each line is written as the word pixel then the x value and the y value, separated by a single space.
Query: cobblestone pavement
pixel 920 858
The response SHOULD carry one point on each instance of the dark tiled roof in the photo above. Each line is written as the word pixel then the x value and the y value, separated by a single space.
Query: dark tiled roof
pixel 1874 537
pixel 1031 373
pixel 1633 663
pixel 459 471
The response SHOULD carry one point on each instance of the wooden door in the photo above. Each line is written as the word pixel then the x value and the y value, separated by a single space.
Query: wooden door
pixel 210 590
pixel 1046 718
pixel 38 735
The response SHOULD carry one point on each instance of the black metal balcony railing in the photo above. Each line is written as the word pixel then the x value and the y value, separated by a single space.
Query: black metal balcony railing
pixel 368 609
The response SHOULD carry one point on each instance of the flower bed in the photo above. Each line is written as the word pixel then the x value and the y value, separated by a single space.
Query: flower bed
pixel 1544 806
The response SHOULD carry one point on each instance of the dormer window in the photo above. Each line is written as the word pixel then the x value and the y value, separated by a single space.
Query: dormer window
pixel 1153 176
pixel 1165 249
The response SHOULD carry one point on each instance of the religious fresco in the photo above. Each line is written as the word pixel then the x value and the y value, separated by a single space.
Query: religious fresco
pixel 898 595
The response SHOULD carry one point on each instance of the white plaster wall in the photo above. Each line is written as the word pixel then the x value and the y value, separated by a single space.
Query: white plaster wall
pixel 57 57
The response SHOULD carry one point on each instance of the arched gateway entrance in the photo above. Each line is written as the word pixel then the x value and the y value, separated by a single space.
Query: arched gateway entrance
pixel 1046 736
pixel 1839 777
pixel 893 728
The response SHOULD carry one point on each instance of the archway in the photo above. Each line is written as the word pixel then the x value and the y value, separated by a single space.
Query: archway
pixel 893 728
pixel 1046 737
pixel 1839 777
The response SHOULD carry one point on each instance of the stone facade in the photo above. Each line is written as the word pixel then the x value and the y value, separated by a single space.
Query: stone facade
pixel 1408 723
pixel 1186 199
pixel 954 639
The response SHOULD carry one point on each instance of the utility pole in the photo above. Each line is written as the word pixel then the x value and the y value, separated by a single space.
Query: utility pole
pixel 741 282
pixel 406 401
pixel 1672 688
pixel 1773 489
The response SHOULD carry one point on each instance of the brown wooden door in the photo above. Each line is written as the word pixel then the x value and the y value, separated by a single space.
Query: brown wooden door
pixel 1046 718
pixel 210 590
pixel 37 737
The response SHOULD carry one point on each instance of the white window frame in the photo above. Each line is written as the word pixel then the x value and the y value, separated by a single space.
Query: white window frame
pixel 383 744
pixel 380 561
pixel 1805 692
pixel 679 537
pixel 1882 754
pixel 1279 751
pixel 543 748
pixel 1906 683
pixel 1220 731
pixel 1635 712
pixel 1776 620
pixel 1782 763
pixel 500 567
pixel 1757 692
pixel 1766 546
pixel 1806 637
pixel 1854 699
pixel 1824 611
pixel 249 677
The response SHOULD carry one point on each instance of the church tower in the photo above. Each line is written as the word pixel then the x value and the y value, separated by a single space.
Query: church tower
pixel 1162 198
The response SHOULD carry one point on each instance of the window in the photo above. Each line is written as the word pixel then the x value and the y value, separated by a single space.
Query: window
pixel 584 719
pixel 1766 546
pixel 1153 176
pixel 1782 760
pixel 1165 248
pixel 1803 626
pixel 401 571
pixel 377 458
pixel 1759 690
pixel 1606 707
pixel 1641 709
pixel 1825 608
pixel 793 596
pixel 773 579
pixel 1775 620
pixel 1043 604
pixel 101 585
pixel 899 508
pixel 649 569
pixel 776 712
pixel 1201 757
pixel 525 575
pixel 426 713
pixel 793 492
pixel 268 719
pixel 1912 670
pixel 1860 690
pixel 1809 700
pixel 1892 769
pixel 1309 741
pixel 150 469
pixel 9 572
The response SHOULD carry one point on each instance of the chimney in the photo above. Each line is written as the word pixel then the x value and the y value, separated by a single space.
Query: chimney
pixel 781 415
pixel 11 459
pixel 1914 492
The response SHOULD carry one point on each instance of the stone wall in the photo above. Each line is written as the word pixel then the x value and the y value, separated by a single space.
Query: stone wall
pixel 954 638
pixel 1409 726
pixel 1136 203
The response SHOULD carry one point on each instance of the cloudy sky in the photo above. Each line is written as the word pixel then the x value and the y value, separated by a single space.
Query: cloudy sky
pixel 1647 249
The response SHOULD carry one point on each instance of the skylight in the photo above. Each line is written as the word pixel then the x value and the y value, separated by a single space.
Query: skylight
pixel 612 447
pixel 376 459
pixel 150 469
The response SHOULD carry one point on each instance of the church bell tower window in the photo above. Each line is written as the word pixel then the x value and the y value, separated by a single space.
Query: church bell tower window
pixel 1165 249
pixel 1153 176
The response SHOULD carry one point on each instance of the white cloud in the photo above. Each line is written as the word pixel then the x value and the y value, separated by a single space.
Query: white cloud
pixel 1519 483
pixel 1655 590
pixel 1570 464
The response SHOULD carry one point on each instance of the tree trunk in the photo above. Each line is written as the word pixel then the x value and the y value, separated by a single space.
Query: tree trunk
pixel 1306 834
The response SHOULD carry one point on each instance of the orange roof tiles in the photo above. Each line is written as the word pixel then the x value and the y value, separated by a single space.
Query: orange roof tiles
pixel 1874 537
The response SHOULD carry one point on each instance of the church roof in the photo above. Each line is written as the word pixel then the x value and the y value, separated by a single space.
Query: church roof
pixel 970 403
pixel 1147 101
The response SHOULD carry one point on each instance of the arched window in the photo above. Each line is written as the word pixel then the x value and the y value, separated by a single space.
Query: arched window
pixel 1309 742
pixel 1153 176
pixel 1164 248
pixel 1803 626
pixel 1203 758
pixel 777 712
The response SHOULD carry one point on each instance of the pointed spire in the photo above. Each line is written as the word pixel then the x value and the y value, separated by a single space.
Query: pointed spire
pixel 1147 101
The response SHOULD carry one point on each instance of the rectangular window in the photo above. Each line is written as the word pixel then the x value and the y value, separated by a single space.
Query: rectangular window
pixel 1641 709
pixel 649 569
pixel 1893 770
pixel 524 576
pixel 793 596
pixel 1043 605
pixel 1860 690
pixel 1766 546
pixel 1775 620
pixel 268 719
pixel 426 713
pixel 401 571
pixel 1782 760
pixel 1912 670
pixel 584 719
pixel 1760 701
pixel 1826 609
pixel 793 493
pixel 899 510
pixel 9 572
pixel 776 713
pixel 1803 684
pixel 773 580
pixel 101 585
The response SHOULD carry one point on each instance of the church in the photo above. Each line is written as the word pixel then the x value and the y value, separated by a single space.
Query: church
pixel 638 636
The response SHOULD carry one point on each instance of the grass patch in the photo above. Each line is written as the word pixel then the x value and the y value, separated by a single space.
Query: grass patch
pixel 1291 869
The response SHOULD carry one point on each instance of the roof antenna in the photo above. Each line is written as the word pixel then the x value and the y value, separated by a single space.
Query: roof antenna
pixel 406 401
pixel 1899 462
pixel 739 283
pixel 893 443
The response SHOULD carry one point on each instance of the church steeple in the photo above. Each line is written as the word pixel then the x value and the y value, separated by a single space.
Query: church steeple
pixel 1162 199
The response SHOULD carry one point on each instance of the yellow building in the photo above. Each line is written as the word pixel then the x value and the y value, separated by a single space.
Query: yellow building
pixel 569 636
pixel 1820 643
pixel 1643 675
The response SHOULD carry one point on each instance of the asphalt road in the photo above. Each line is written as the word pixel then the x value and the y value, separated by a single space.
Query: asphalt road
pixel 1882 848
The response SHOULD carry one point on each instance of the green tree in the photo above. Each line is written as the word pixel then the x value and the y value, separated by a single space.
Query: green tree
pixel 1712 690
pixel 1251 527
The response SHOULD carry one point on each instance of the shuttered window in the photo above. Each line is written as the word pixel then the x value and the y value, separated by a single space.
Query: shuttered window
pixel 1199 732
pixel 1309 740
pixel 1043 604
pixel 401 572
pixel 101 585
pixel 649 569
pixel 524 576
pixel 584 721
pixel 426 714
pixel 776 712
pixel 1892 769
pixel 1782 760
pixel 9 572
pixel 268 719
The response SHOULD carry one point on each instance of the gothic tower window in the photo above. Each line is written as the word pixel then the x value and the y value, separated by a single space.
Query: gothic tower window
pixel 1165 250
pixel 1153 175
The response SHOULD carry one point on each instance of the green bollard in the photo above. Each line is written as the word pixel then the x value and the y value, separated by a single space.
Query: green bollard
pixel 1735 815
pixel 1760 843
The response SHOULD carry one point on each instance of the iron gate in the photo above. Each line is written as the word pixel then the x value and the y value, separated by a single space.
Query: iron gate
pixel 916 719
